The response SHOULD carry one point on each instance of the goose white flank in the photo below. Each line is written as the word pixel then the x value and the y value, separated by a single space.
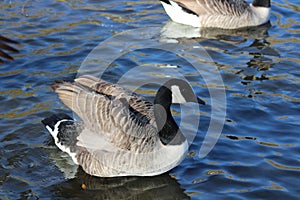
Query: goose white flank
pixel 226 14
pixel 121 133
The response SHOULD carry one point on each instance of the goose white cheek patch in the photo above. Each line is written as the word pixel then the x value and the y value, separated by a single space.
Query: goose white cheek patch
pixel 176 95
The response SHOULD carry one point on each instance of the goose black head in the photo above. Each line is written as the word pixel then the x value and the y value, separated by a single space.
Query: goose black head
pixel 262 3
pixel 173 91
pixel 176 91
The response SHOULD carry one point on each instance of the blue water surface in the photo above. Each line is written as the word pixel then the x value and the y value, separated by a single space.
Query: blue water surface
pixel 256 155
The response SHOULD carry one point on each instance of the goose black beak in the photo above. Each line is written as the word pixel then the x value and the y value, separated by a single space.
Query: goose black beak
pixel 200 101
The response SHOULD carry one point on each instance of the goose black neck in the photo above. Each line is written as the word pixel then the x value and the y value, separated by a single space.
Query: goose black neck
pixel 262 3
pixel 169 131
pixel 165 123
pixel 166 1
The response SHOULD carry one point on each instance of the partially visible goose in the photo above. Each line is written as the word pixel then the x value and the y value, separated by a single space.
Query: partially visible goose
pixel 4 46
pixel 227 14
pixel 121 133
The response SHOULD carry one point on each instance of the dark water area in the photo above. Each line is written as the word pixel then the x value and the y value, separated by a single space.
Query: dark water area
pixel 257 152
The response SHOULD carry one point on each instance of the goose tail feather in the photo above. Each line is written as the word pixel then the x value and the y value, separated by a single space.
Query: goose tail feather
pixel 64 132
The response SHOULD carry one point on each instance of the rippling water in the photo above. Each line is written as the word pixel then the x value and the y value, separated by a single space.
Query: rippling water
pixel 257 154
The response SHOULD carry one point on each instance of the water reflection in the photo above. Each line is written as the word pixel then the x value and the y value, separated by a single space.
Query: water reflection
pixel 259 157
pixel 175 32
pixel 5 47
pixel 86 186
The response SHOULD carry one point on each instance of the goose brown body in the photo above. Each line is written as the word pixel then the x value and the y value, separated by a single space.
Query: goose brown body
pixel 121 133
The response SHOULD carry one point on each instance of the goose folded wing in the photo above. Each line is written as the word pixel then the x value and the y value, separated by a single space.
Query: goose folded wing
pixel 111 118
pixel 224 7
pixel 114 91
pixel 102 87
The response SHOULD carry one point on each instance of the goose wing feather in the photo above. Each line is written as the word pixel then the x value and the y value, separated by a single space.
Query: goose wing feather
pixel 110 112
pixel 221 7
pixel 135 101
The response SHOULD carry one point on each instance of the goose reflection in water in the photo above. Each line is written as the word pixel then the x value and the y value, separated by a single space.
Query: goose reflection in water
pixel 174 32
pixel 86 186
pixel 5 47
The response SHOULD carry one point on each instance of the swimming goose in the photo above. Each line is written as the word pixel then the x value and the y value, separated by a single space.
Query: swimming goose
pixel 5 47
pixel 226 14
pixel 121 133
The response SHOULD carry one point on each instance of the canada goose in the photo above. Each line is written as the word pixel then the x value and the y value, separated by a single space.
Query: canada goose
pixel 121 133
pixel 227 14
pixel 5 47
